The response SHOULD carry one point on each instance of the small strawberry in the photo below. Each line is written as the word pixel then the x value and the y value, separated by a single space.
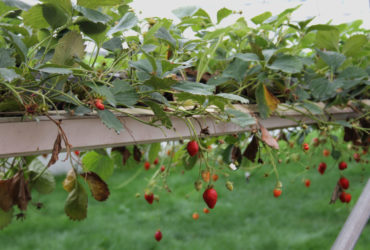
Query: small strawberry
pixel 326 152
pixel 307 183
pixel 77 152
pixel 206 175
pixel 146 165
pixel 206 210
pixel 210 197
pixel 98 104
pixel 149 197
pixel 229 185
pixel 158 235
pixel 322 167
pixel 342 165
pixel 316 141
pixel 343 182
pixel 192 148
pixel 306 147
pixel 198 185
pixel 348 198
pixel 345 197
pixel 195 216
pixel 214 177
pixel 277 192
pixel 357 157
pixel 163 168
pixel 156 161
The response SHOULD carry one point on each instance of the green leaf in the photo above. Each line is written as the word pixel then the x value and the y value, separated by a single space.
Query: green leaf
pixel 268 53
pixel 353 72
pixel 240 118
pixel 312 107
pixel 55 70
pixel 6 59
pixel 5 218
pixel 100 164
pixel 263 108
pixel 154 150
pixel 189 161
pixel 76 204
pixel 261 18
pixel 18 43
pixel 110 120
pixel 331 58
pixel 194 88
pixel 113 44
pixel 96 31
pixel 69 46
pixel 128 21
pixel 54 15
pixel 18 4
pixel 237 70
pixel 45 183
pixel 287 63
pixel 323 27
pixel 65 5
pixel 352 47
pixel 160 114
pixel 187 11
pixel 164 34
pixel 124 93
pixel 8 74
pixel 142 65
pixel 34 17
pixel 248 57
pixel 322 89
pixel 159 83
pixel 327 39
pixel 93 15
pixel 233 97
pixel 223 13
pixel 99 3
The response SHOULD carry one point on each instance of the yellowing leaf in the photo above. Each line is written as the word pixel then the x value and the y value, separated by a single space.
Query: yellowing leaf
pixel 98 187
pixel 70 181
pixel 271 101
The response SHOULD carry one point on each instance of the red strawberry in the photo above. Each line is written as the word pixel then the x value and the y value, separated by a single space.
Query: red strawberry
pixel 158 235
pixel 77 152
pixel 277 192
pixel 307 183
pixel 156 161
pixel 348 198
pixel 343 182
pixel 357 157
pixel 192 148
pixel 210 197
pixel 206 210
pixel 305 147
pixel 316 141
pixel 345 197
pixel 149 197
pixel 342 165
pixel 326 152
pixel 98 104
pixel 146 165
pixel 322 167
pixel 163 168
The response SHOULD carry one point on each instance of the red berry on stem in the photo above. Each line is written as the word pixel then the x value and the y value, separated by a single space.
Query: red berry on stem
pixel 342 165
pixel 156 161
pixel 210 197
pixel 146 165
pixel 277 192
pixel 326 152
pixel 357 157
pixel 206 210
pixel 322 167
pixel 307 183
pixel 348 198
pixel 163 168
pixel 342 197
pixel 343 182
pixel 158 235
pixel 77 152
pixel 99 104
pixel 305 147
pixel 149 197
pixel 192 148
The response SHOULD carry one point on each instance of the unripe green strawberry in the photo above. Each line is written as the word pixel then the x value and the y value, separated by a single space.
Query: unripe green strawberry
pixel 229 185
pixel 198 185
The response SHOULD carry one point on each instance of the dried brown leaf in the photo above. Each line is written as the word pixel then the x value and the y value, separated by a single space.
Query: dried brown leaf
pixel 137 154
pixel 98 187
pixel 236 154
pixel 336 193
pixel 267 138
pixel 124 152
pixel 251 151
pixel 56 150
pixel 6 199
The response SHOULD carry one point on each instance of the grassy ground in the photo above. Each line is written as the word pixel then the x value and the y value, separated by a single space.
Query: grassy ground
pixel 247 218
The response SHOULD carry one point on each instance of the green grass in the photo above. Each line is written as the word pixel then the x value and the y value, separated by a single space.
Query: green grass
pixel 247 218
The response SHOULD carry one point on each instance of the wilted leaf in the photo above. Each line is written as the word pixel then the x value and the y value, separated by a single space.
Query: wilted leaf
pixel 6 190
pixel 267 138
pixel 70 181
pixel 137 154
pixel 124 152
pixel 98 187
pixel 252 149
pixel 5 218
pixel 56 150
pixel 236 155
pixel 76 204
pixel 267 102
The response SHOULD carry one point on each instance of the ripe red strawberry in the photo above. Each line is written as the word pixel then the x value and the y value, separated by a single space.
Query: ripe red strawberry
pixel 348 198
pixel 342 165
pixel 343 182
pixel 210 197
pixel 316 141
pixel 326 152
pixel 215 177
pixel 156 161
pixel 98 104
pixel 149 197
pixel 357 157
pixel 77 152
pixel 158 235
pixel 192 148
pixel 345 197
pixel 277 192
pixel 305 147
pixel 163 168
pixel 206 210
pixel 146 165
pixel 322 167
pixel 307 183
